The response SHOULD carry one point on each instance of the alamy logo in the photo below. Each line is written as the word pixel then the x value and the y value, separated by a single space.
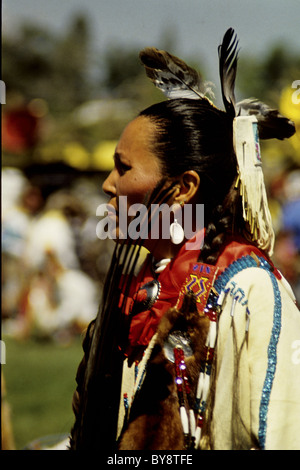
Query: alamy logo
pixel 141 222
pixel 296 94
pixel 2 92
pixel 2 352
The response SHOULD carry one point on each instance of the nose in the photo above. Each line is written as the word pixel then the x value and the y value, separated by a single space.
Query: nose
pixel 109 185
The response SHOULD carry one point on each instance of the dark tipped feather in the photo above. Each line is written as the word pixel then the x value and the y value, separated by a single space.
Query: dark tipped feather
pixel 228 56
pixel 172 75
pixel 271 124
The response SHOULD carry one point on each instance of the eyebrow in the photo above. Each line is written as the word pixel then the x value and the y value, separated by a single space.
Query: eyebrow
pixel 118 157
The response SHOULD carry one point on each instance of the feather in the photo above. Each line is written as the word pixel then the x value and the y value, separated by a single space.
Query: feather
pixel 172 75
pixel 271 124
pixel 228 55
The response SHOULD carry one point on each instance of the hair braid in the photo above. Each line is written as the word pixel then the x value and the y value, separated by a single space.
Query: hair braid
pixel 225 220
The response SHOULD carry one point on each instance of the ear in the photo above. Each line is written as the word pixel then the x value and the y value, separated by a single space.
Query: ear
pixel 189 183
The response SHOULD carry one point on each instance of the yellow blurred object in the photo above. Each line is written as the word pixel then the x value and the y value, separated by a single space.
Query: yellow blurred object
pixel 76 156
pixel 103 156
pixel 290 107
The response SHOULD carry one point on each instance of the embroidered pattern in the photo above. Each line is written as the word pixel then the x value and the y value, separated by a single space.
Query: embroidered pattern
pixel 236 267
pixel 199 282
pixel 219 285
pixel 272 362
pixel 238 294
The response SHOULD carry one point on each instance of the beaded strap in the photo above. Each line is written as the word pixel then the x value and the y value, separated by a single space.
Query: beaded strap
pixel 184 390
pixel 272 362
pixel 236 267
pixel 219 286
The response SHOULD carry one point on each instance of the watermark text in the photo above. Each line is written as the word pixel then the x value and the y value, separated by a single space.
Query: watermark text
pixel 2 92
pixel 2 352
pixel 141 222
pixel 296 94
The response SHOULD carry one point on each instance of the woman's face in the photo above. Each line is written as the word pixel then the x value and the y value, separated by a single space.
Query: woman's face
pixel 137 170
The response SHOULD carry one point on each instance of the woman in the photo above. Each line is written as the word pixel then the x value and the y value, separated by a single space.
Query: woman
pixel 199 347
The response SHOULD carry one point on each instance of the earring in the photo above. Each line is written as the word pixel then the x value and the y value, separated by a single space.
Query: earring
pixel 176 233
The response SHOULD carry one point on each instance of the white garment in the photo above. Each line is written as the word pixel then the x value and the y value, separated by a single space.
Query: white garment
pixel 77 302
pixel 51 232
pixel 257 372
pixel 257 383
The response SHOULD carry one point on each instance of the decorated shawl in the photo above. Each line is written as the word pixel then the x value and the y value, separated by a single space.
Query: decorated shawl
pixel 171 280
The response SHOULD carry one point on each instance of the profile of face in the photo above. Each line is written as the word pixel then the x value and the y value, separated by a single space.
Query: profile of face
pixel 136 172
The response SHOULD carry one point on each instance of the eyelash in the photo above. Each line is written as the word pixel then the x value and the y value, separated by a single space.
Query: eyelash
pixel 122 167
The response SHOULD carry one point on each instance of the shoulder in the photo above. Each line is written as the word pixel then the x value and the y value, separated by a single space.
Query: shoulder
pixel 252 273
pixel 243 276
pixel 253 295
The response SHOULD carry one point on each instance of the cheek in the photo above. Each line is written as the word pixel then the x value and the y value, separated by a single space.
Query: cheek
pixel 137 187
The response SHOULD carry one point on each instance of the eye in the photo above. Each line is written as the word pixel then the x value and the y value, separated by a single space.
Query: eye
pixel 122 167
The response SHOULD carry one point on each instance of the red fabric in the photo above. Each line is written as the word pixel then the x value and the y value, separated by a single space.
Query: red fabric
pixel 19 131
pixel 144 324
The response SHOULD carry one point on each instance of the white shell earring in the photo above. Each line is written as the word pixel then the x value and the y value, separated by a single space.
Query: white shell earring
pixel 176 233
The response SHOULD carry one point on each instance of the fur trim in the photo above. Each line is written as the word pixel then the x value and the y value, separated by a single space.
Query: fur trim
pixel 154 421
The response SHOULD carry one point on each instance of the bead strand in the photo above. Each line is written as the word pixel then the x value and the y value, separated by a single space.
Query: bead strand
pixel 183 391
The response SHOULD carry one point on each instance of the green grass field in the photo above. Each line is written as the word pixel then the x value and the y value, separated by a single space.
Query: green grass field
pixel 40 381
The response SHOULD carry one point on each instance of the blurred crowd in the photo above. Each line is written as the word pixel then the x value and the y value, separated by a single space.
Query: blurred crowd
pixel 53 264
pixel 285 207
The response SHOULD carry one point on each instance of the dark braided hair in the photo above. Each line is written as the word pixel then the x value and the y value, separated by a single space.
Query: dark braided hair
pixel 195 135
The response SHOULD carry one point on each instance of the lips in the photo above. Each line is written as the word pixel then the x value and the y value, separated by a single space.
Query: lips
pixel 111 210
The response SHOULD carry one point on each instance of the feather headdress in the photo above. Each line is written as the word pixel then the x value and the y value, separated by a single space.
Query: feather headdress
pixel 251 118
pixel 173 76
pixel 271 124
pixel 228 56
